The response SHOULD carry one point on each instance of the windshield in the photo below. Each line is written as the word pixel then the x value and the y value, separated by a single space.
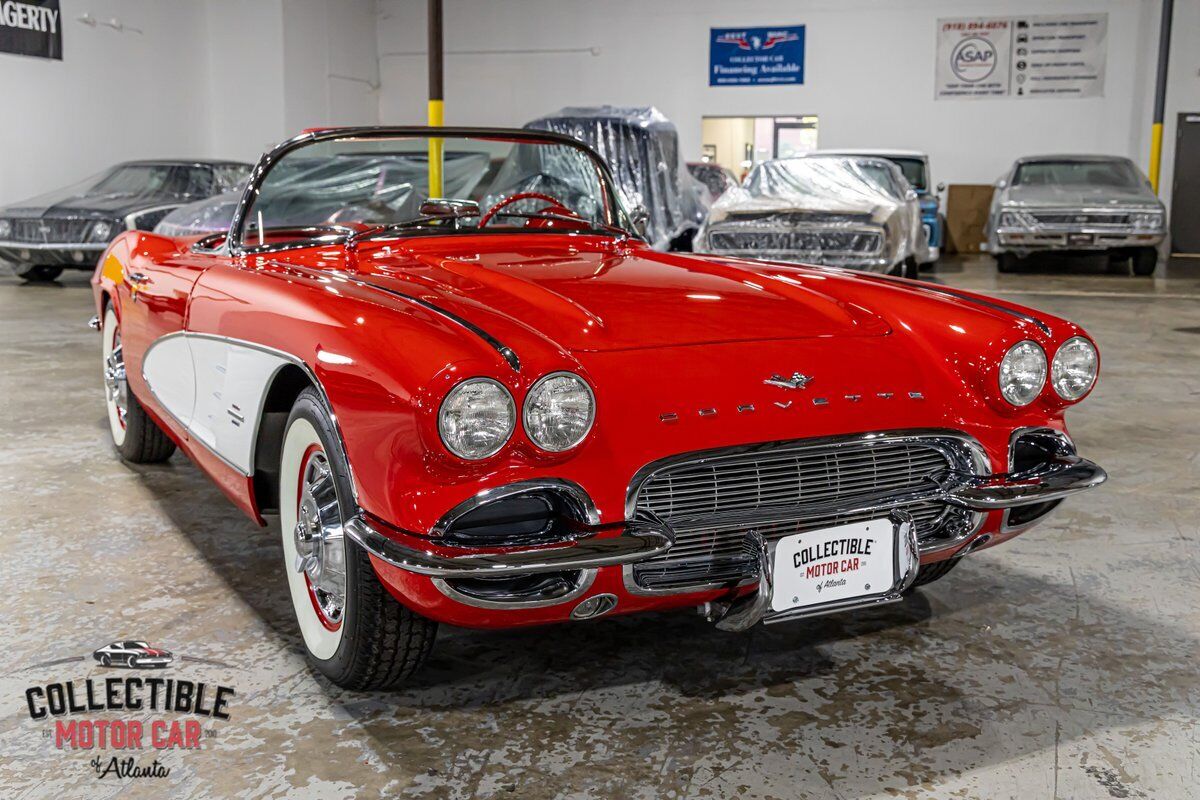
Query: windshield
pixel 813 177
pixel 1117 173
pixel 176 179
pixel 879 174
pixel 914 171
pixel 394 185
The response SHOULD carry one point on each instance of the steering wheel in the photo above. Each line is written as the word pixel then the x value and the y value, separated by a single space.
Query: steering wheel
pixel 555 206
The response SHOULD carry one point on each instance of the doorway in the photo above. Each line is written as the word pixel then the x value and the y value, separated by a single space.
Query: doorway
pixel 1185 186
pixel 738 143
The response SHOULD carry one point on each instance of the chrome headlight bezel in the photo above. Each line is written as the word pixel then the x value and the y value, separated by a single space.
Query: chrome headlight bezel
pixel 1023 391
pixel 1059 370
pixel 452 429
pixel 533 425
pixel 1010 218
pixel 101 231
pixel 5 228
pixel 1150 220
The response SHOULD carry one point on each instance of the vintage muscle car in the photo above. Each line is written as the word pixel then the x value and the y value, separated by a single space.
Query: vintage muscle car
pixel 915 166
pixel 502 409
pixel 70 228
pixel 843 211
pixel 133 654
pixel 1075 204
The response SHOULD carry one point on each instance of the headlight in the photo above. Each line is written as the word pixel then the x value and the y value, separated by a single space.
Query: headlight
pixel 476 418
pixel 5 228
pixel 101 231
pixel 1073 370
pixel 559 411
pixel 1022 373
pixel 1010 219
pixel 1147 220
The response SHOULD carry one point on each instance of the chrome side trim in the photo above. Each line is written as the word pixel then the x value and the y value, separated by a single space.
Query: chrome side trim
pixel 586 579
pixel 258 419
pixel 54 245
pixel 588 511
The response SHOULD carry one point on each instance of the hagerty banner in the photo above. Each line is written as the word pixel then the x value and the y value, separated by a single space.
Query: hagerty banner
pixel 31 28
pixel 1059 55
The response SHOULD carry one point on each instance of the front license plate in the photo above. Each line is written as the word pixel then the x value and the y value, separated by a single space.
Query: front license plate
pixel 833 565
pixel 1080 239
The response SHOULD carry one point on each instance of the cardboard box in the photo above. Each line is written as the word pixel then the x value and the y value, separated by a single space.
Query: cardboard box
pixel 966 213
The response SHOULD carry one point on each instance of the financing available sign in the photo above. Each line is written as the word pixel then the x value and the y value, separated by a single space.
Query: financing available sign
pixel 756 56
pixel 31 28
pixel 1059 55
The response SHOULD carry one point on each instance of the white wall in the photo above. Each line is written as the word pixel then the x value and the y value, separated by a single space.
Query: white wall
pixel 869 72
pixel 218 78
pixel 117 95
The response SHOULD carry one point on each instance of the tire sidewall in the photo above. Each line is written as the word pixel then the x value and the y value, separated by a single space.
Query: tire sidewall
pixel 311 409
pixel 110 328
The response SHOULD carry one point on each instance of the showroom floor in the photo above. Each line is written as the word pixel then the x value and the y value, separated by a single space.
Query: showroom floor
pixel 1061 665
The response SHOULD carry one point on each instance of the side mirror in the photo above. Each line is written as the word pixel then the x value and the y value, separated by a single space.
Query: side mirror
pixel 911 194
pixel 640 218
pixel 941 187
pixel 1002 183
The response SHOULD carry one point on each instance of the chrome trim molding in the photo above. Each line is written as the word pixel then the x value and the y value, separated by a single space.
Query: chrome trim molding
pixel 254 433
pixel 586 578
pixel 1054 480
pixel 97 246
pixel 579 498
pixel 636 542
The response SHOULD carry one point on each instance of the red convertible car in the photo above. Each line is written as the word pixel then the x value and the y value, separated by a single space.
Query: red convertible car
pixel 502 408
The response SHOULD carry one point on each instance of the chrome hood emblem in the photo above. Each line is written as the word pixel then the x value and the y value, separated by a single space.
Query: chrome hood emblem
pixel 797 381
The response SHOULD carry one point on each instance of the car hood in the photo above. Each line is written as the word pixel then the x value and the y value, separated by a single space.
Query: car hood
pixel 1078 196
pixel 94 205
pixel 592 295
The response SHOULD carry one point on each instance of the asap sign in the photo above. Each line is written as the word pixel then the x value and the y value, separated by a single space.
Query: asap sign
pixel 973 59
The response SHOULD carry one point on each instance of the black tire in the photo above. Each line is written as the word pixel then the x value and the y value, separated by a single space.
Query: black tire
pixel 910 269
pixel 1007 262
pixel 383 642
pixel 933 572
pixel 38 273
pixel 144 442
pixel 1145 261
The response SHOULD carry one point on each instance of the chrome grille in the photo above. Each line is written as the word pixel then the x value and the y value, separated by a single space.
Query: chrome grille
pixel 68 230
pixel 831 242
pixel 713 501
pixel 1088 218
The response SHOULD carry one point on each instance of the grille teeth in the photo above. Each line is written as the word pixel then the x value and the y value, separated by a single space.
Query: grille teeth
pixel 711 505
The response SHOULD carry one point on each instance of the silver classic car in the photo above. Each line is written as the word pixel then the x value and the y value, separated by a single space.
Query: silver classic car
pixel 842 211
pixel 1075 204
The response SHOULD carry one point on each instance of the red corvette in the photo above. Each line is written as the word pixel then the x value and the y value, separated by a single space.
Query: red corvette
pixel 473 395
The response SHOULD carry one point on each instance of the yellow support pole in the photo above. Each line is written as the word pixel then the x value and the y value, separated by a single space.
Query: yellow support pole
pixel 436 150
pixel 1155 153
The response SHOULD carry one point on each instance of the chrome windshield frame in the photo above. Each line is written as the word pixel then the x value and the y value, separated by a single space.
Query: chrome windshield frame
pixel 235 240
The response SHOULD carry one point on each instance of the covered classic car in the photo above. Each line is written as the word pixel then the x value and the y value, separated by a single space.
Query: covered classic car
pixel 915 167
pixel 716 179
pixel 1075 204
pixel 70 228
pixel 641 147
pixel 501 409
pixel 846 211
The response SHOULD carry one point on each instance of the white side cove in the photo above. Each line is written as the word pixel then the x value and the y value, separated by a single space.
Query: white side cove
pixel 215 388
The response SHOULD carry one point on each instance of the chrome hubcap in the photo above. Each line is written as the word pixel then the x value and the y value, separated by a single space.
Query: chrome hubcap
pixel 116 387
pixel 320 553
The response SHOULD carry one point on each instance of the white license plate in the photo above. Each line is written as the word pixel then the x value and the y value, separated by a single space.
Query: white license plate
pixel 833 565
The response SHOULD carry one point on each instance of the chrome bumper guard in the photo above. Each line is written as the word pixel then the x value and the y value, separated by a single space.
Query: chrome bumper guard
pixel 636 541
pixel 1062 476
pixel 1052 480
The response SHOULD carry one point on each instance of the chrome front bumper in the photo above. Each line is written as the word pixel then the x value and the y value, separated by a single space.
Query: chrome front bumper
pixel 61 254
pixel 1073 238
pixel 634 541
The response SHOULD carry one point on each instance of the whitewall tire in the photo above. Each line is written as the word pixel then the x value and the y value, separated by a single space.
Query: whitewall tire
pixel 135 436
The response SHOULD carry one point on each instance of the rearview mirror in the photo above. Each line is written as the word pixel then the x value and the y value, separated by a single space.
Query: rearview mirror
pixel 640 218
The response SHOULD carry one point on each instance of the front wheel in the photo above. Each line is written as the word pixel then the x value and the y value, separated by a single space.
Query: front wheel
pixel 1145 261
pixel 1006 262
pixel 354 632
pixel 38 273
pixel 136 437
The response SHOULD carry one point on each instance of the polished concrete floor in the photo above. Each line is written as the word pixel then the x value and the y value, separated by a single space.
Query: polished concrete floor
pixel 1063 665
